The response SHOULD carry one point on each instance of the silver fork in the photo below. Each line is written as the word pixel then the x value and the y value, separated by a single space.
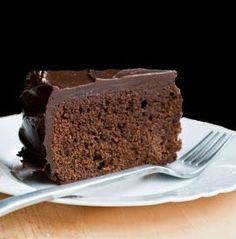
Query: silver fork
pixel 190 165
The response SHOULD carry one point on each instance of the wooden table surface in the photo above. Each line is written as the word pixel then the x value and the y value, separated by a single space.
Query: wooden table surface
pixel 213 217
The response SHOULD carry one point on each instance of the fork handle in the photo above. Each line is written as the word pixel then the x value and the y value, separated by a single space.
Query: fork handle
pixel 14 203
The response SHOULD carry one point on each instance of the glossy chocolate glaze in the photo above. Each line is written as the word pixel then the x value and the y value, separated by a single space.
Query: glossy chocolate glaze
pixel 44 90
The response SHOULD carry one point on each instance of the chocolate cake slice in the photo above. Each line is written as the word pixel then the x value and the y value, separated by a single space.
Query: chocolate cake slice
pixel 80 124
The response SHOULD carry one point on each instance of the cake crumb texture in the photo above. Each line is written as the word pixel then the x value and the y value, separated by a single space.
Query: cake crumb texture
pixel 96 135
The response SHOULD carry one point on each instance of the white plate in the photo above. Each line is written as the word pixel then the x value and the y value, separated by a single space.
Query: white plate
pixel 219 177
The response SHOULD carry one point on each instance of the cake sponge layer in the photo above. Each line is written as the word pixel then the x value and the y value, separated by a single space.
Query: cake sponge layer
pixel 111 132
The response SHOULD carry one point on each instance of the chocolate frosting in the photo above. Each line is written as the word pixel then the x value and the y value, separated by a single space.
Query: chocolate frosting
pixel 44 90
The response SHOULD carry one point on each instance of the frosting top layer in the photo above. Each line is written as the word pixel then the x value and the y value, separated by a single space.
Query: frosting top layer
pixel 70 79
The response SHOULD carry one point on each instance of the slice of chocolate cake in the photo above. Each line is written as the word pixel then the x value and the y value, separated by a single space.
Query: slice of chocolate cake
pixel 80 124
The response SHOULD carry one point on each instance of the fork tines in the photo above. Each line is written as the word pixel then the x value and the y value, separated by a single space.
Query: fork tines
pixel 206 149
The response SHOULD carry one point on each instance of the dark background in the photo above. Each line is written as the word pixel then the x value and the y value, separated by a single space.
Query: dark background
pixel 200 47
